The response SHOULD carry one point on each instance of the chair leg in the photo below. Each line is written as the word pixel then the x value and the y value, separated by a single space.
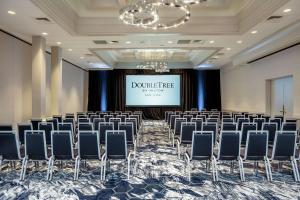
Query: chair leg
pixel 24 167
pixel 1 164
pixel 188 166
pixel 270 169
pixel 49 168
pixel 128 168
pixel 216 170
pixel 295 169
pixel 267 170
pixel 213 166
pixel 178 148
pixel 241 166
pixel 104 168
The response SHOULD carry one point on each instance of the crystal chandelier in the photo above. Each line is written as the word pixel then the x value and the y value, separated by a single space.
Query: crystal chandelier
pixel 144 13
pixel 156 60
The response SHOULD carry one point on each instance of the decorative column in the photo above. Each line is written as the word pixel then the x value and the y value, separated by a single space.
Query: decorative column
pixel 56 80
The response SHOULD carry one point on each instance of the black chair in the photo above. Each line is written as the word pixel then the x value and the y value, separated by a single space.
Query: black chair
pixel 279 117
pixel 228 120
pixel 47 127
pixel 229 126
pixel 289 126
pixel 67 127
pixel 202 150
pixel 188 117
pixel 241 121
pixel 35 123
pixel 83 120
pixel 54 121
pixel 85 127
pixel 9 147
pixel 203 117
pixel 290 120
pixel 177 128
pixel 252 117
pixel 212 120
pixel 69 116
pixel 107 117
pixel 129 130
pixel 135 129
pixel 21 131
pixel 88 149
pixel 62 149
pixel 58 117
pixel 68 120
pixel 229 150
pixel 246 127
pixel 237 117
pixel 271 128
pixel 96 122
pixel 284 150
pixel 35 149
pixel 259 122
pixel 186 135
pixel 115 121
pixel 92 117
pixel 211 127
pixel 257 150
pixel 198 122
pixel 277 121
pixel 266 117
pixel 103 127
pixel 6 127
pixel 138 120
pixel 122 117
pixel 115 149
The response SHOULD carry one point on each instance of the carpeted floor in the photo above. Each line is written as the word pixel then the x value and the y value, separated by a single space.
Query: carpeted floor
pixel 159 174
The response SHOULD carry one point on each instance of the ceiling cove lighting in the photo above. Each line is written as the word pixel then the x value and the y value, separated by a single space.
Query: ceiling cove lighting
pixel 287 10
pixel 44 33
pixel 11 12
pixel 211 42
pixel 70 49
pixel 254 32
pixel 128 42
pixel 228 48
pixel 145 14
pixel 239 41
pixel 58 43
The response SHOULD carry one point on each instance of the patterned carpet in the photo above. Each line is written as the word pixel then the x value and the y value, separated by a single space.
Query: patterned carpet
pixel 159 174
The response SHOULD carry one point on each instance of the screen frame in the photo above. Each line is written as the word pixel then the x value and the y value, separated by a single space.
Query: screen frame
pixel 154 106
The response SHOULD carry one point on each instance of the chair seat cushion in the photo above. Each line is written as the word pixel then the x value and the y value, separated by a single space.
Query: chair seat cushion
pixel 198 157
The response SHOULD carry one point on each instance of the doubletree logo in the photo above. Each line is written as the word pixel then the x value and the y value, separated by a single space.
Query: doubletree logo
pixel 152 85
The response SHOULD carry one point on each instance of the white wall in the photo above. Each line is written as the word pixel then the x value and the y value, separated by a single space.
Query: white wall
pixel 244 87
pixel 15 82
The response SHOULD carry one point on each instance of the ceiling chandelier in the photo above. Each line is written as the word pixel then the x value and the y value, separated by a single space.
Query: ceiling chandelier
pixel 156 60
pixel 144 13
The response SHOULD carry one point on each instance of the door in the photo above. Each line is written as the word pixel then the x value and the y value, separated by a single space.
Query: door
pixel 282 96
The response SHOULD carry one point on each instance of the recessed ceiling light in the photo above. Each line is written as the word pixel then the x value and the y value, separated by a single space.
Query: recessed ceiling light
pixel 70 49
pixel 81 57
pixel 211 42
pixel 228 49
pixel 254 32
pixel 59 43
pixel 128 42
pixel 287 10
pixel 44 33
pixel 11 12
pixel 170 42
pixel 239 41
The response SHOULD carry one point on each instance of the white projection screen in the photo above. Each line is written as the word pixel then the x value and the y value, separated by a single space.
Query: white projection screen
pixel 153 90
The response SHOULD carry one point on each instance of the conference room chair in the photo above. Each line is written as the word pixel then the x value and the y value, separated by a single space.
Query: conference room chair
pixel 237 117
pixel 88 149
pixel 138 119
pixel 85 127
pixel 259 122
pixel 69 115
pixel 284 149
pixel 92 117
pixel 22 127
pixel 212 120
pixel 208 126
pixel 214 110
pixel 188 117
pixel 172 123
pixel 58 117
pixel 252 117
pixel 271 128
pixel 9 147
pixel 130 137
pixel 128 112
pixel 186 135
pixel 83 120
pixel 240 121
pixel 266 117
pixel 246 127
pixel 35 123
pixel 136 132
pixel 107 117
pixel 227 117
pixel 277 121
pixel 203 117
pixel 62 149
pixel 35 149
pixel 291 120
pixel 115 121
pixel 229 151
pixel 229 126
pixel 214 117
pixel 140 113
pixel 47 127
pixel 281 117
pixel 54 121
pixel 103 127
pixel 116 149
pixel 227 120
pixel 122 117
pixel 257 151
pixel 68 127
pixel 289 126
pixel 202 150
pixel 6 127
pixel 167 113
pixel 96 122
pixel 198 122
pixel 177 128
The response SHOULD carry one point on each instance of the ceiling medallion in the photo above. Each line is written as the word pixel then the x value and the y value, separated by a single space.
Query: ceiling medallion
pixel 144 13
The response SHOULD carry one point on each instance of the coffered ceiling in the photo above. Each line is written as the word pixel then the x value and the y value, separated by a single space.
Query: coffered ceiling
pixel 92 36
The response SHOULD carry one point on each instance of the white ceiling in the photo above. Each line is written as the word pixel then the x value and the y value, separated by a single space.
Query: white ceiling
pixel 77 23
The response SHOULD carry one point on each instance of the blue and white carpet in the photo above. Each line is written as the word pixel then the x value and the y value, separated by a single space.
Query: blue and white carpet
pixel 159 174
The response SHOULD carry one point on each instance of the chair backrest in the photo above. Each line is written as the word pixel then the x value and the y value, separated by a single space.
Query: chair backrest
pixel 266 117
pixel 62 145
pixel 21 131
pixel 68 120
pixel 122 117
pixel 107 117
pixel 229 146
pixel 115 121
pixel 252 117
pixel 128 128
pixel 229 126
pixel 9 146
pixel 256 145
pixel 188 117
pixel 186 132
pixel 58 117
pixel 212 120
pixel 211 127
pixel 103 127
pixel 67 127
pixel 237 117
pixel 284 145
pixel 134 122
pixel 281 117
pixel 116 145
pixel 259 122
pixel 291 120
pixel 289 126
pixel 241 121
pixel 83 120
pixel 277 121
pixel 138 119
pixel 89 145
pixel 227 120
pixel 69 115
pixel 202 145
pixel 96 122
pixel 271 128
pixel 177 126
pixel 246 127
pixel 6 127
pixel 54 121
pixel 199 122
pixel 35 123
pixel 172 120
pixel 85 127
pixel 47 127
pixel 35 145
